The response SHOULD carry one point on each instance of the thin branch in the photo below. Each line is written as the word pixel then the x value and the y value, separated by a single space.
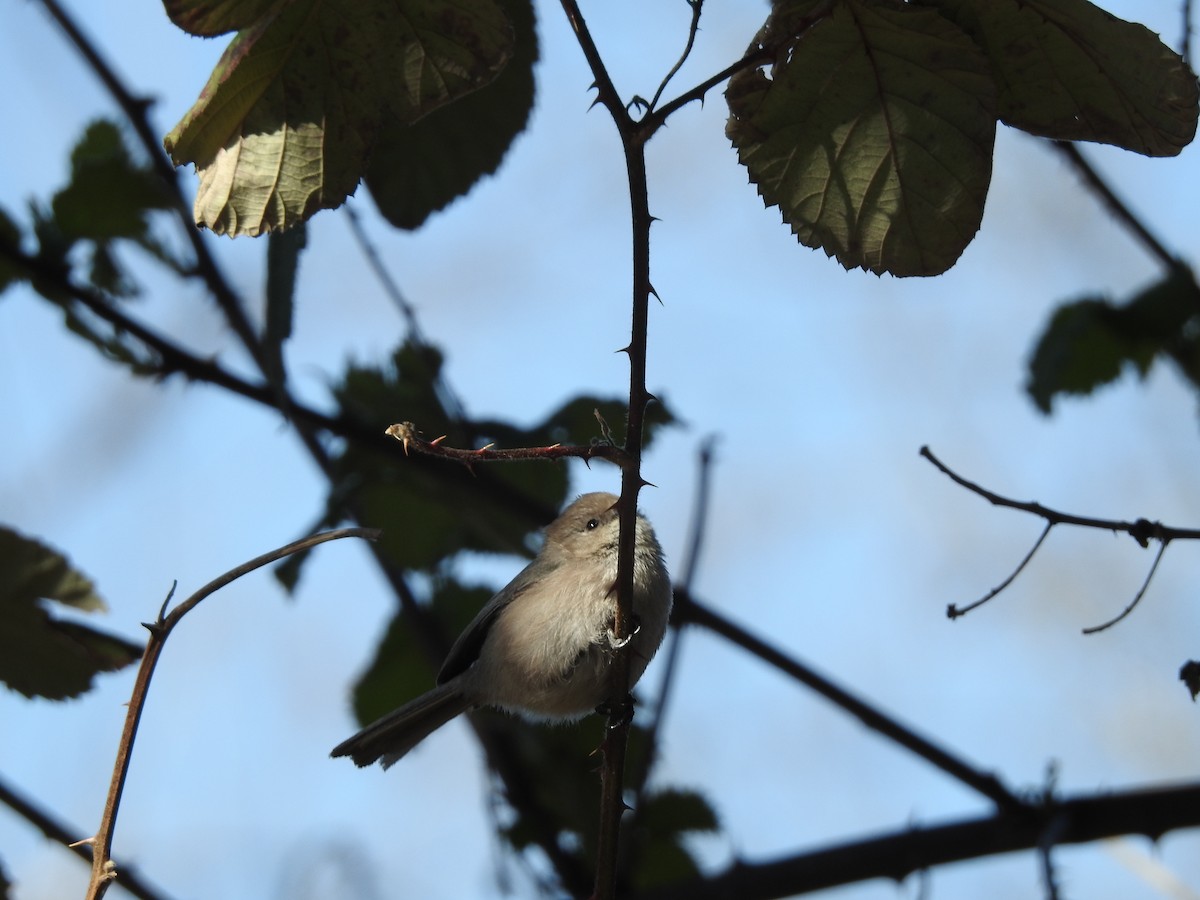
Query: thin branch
pixel 612 802
pixel 409 437
pixel 606 91
pixel 1162 548
pixel 126 874
pixel 1116 206
pixel 1142 530
pixel 655 119
pixel 691 611
pixel 755 56
pixel 103 868
pixel 693 28
pixel 1185 43
pixel 1152 812
pixel 953 611
pixel 699 523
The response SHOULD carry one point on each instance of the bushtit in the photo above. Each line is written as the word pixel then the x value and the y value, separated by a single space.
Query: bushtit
pixel 542 646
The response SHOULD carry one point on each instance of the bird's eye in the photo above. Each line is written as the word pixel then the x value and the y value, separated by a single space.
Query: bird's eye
pixel 592 524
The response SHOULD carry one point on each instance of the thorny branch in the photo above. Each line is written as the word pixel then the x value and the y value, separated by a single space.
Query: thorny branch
pixel 103 868
pixel 1141 530
pixel 1149 811
pixel 410 438
pixel 689 611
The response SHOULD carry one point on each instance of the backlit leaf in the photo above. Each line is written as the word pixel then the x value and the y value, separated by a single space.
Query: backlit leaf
pixel 288 120
pixel 872 132
pixel 1067 69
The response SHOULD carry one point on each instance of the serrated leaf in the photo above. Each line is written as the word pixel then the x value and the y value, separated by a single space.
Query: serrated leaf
pixel 418 168
pixel 1068 70
pixel 288 119
pixel 41 656
pixel 873 134
pixel 1089 342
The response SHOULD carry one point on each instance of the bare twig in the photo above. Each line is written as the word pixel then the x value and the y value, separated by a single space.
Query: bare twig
pixel 612 803
pixel 1141 530
pixel 409 437
pixel 689 610
pixel 103 868
pixel 953 611
pixel 135 110
pixel 693 28
pixel 1162 548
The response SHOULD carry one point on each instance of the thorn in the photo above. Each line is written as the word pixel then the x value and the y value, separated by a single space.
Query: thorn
pixel 437 440
pixel 486 447
pixel 624 349
pixel 646 483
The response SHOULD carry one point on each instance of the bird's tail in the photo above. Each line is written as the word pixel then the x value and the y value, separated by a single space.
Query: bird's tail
pixel 392 736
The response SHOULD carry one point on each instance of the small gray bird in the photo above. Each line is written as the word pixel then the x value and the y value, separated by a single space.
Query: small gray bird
pixel 543 645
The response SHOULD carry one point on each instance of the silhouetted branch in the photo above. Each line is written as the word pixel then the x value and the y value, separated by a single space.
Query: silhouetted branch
pixel 125 873
pixel 1124 215
pixel 697 6
pixel 1076 820
pixel 1141 530
pixel 688 610
pixel 953 611
pixel 103 868
pixel 1162 548
pixel 699 523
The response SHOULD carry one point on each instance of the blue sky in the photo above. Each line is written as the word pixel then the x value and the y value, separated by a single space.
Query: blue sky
pixel 829 535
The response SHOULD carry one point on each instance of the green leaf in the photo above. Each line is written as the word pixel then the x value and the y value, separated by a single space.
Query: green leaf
pixel 1089 342
pixel 286 123
pixel 41 656
pixel 418 168
pixel 1071 71
pixel 872 134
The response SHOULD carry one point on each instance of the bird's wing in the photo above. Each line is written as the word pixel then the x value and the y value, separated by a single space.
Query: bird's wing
pixel 466 649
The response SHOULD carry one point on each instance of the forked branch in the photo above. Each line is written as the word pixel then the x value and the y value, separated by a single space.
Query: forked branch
pixel 103 868
pixel 1141 530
